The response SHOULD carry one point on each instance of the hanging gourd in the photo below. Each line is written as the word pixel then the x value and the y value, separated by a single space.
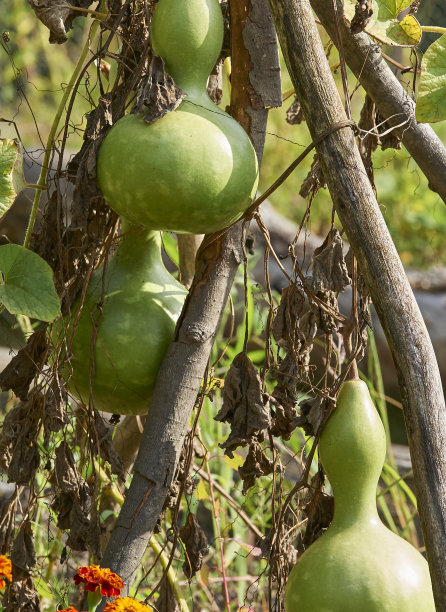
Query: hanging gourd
pixel 195 169
pixel 136 306
pixel 357 565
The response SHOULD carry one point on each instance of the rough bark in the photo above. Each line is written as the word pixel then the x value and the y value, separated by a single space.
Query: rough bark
pixel 358 210
pixel 364 58
pixel 182 371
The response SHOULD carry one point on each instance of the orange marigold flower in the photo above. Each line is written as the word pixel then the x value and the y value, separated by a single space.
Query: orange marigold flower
pixel 5 569
pixel 94 577
pixel 69 609
pixel 126 604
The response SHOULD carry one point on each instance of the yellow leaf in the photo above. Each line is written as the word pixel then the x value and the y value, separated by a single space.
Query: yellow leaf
pixel 204 575
pixel 201 491
pixel 235 462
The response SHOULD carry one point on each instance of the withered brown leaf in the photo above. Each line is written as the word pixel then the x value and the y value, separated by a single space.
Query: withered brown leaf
pixel 159 94
pixel 57 16
pixel 295 115
pixel 256 464
pixel 245 406
pixel 363 14
pixel 312 412
pixel 196 544
pixel 21 595
pixel 20 372
pixel 23 554
pixel 19 453
pixel 318 509
pixel 329 268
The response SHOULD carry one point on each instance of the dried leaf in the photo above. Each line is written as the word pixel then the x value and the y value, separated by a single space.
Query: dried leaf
pixel 369 142
pixel 245 405
pixel 23 554
pixel 19 453
pixel 256 464
pixel 103 441
pixel 319 511
pixel 72 503
pixel 7 521
pixel 312 412
pixel 58 16
pixel 387 139
pixel 286 324
pixel 295 115
pixel 20 372
pixel 159 94
pixel 363 14
pixel 196 544
pixel 21 595
pixel 329 269
pixel 325 318
pixel 167 601
pixel 313 181
pixel 54 417
pixel 215 83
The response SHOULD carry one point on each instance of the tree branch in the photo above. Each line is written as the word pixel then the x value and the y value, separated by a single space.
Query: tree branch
pixel 182 371
pixel 366 62
pixel 358 210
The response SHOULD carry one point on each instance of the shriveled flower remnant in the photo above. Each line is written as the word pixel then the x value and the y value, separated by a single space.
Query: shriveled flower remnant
pixel 5 571
pixel 94 577
pixel 126 604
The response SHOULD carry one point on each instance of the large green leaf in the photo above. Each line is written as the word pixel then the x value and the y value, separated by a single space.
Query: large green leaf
pixel 26 285
pixel 431 99
pixel 12 179
pixel 384 25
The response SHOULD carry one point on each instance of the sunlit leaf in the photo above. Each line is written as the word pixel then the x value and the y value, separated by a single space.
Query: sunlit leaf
pixel 431 100
pixel 12 179
pixel 26 285
pixel 235 462
pixel 201 492
pixel 384 25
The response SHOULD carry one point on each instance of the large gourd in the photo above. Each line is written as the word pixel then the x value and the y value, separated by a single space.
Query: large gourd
pixel 137 318
pixel 357 565
pixel 195 169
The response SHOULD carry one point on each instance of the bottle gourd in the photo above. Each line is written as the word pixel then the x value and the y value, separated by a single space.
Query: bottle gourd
pixel 136 323
pixel 357 565
pixel 195 169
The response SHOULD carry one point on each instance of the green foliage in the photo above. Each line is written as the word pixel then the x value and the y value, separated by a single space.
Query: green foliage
pixel 12 179
pixel 27 286
pixel 431 101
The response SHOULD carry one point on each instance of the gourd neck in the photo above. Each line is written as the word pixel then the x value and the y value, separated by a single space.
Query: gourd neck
pixel 354 505
pixel 188 35
pixel 352 449
pixel 138 247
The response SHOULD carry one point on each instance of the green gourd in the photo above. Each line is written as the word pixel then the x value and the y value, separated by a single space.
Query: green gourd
pixel 141 304
pixel 357 565
pixel 195 169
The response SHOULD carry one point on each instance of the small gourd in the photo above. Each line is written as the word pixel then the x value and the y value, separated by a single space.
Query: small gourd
pixel 357 565
pixel 195 169
pixel 137 318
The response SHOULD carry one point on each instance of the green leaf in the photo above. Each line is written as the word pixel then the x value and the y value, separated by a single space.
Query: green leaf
pixel 26 286
pixel 384 25
pixel 431 100
pixel 12 179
